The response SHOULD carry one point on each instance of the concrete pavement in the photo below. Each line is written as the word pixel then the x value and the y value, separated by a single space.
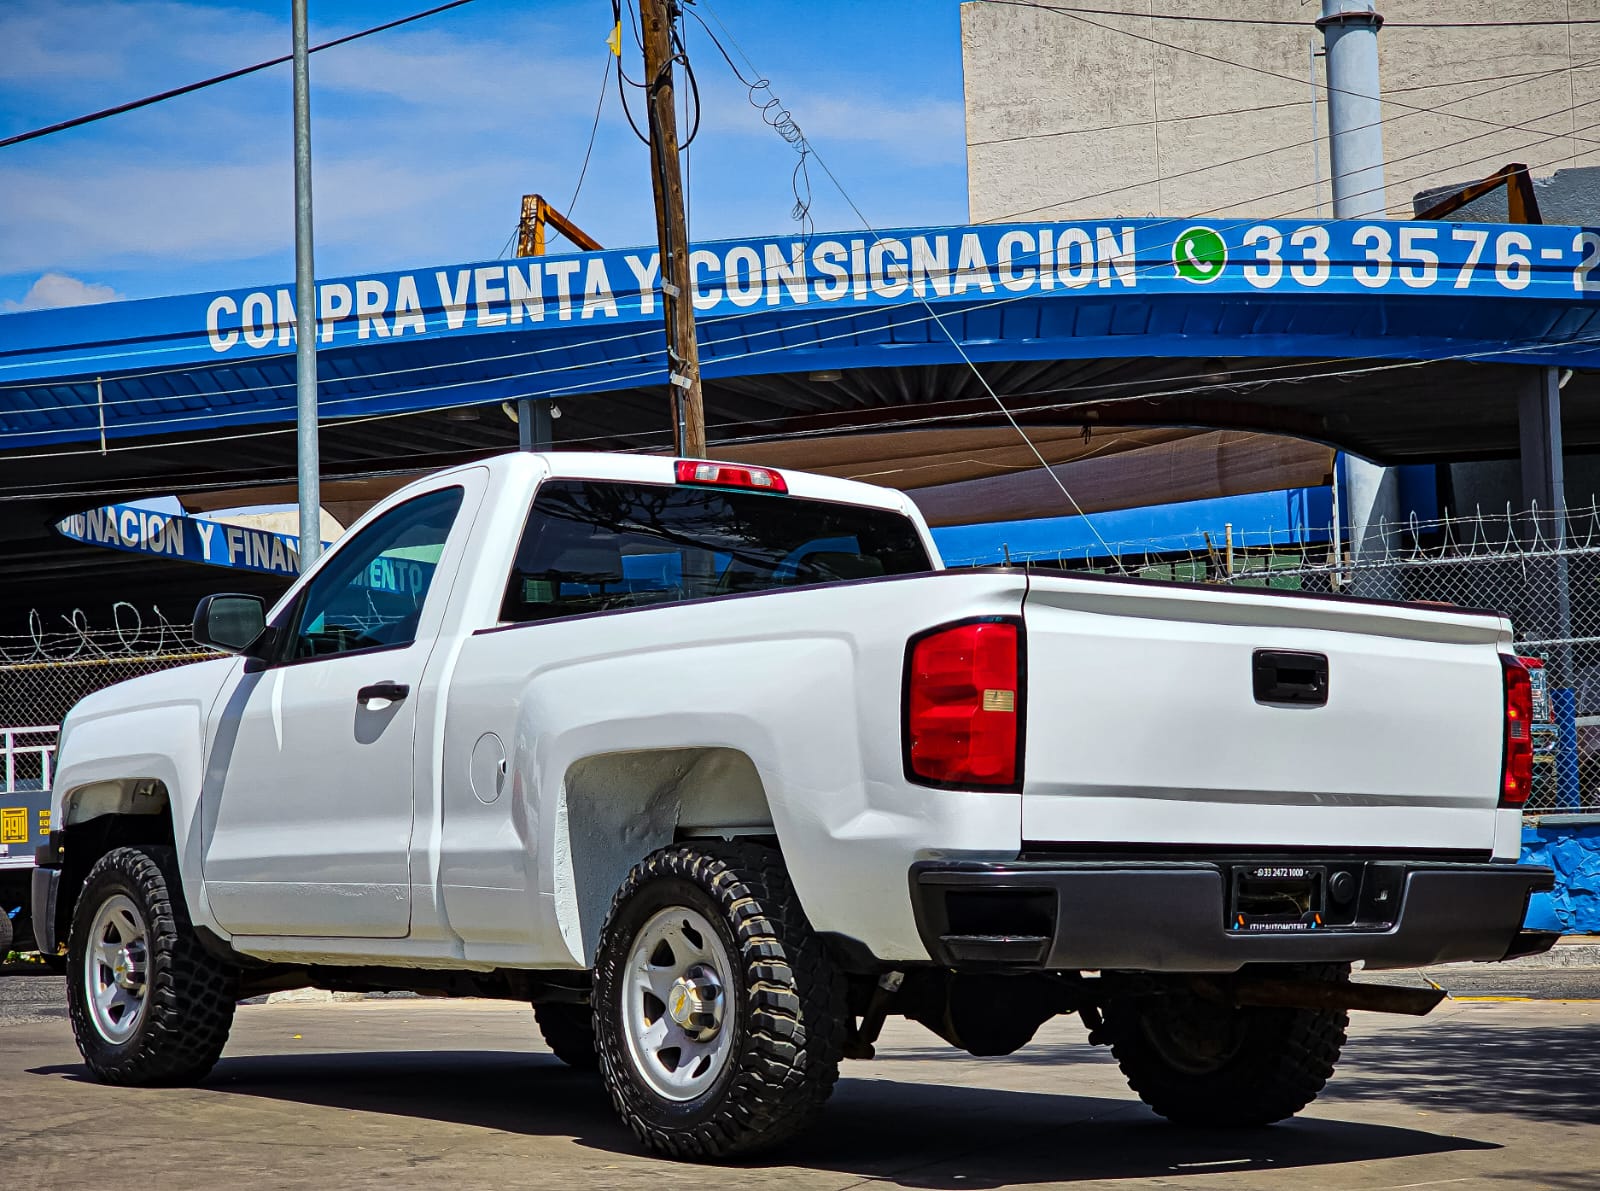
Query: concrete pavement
pixel 412 1093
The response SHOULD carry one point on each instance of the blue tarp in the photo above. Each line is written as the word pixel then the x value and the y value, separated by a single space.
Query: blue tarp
pixel 590 322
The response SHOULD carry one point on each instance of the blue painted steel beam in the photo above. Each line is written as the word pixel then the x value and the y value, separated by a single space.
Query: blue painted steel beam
pixel 1286 517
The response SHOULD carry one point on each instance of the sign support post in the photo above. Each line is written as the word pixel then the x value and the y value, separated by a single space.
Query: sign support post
pixel 305 301
pixel 1355 135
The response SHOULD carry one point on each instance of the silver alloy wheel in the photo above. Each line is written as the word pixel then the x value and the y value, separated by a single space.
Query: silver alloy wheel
pixel 675 1012
pixel 116 965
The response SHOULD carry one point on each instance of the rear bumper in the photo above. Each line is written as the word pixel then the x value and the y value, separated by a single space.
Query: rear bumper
pixel 1171 916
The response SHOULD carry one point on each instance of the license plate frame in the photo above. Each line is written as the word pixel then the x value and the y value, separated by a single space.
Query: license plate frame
pixel 1275 898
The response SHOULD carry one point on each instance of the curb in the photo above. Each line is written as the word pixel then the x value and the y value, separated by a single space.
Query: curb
pixel 311 996
pixel 1575 951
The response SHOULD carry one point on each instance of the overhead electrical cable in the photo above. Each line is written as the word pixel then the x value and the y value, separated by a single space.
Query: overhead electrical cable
pixel 938 322
pixel 1188 18
pixel 134 105
pixel 740 335
pixel 1496 155
pixel 1300 144
pixel 594 129
pixel 1526 75
pixel 1298 81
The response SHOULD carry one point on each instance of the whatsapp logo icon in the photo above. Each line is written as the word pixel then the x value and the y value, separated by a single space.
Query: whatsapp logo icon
pixel 1199 255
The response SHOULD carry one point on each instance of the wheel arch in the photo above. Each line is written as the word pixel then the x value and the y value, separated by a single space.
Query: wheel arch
pixel 617 808
pixel 100 815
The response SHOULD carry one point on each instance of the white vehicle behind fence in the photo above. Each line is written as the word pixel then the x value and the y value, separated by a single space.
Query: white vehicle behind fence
pixel 717 767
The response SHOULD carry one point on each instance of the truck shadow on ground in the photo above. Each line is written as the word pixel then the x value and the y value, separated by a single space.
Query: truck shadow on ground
pixel 912 1134
pixel 1539 1073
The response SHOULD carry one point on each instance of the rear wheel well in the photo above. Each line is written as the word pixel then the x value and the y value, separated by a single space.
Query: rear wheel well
pixel 618 808
pixel 144 819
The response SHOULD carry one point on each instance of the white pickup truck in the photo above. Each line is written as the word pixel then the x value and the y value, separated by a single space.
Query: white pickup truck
pixel 716 767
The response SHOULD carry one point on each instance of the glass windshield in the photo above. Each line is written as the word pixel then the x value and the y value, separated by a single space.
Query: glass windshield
pixel 594 546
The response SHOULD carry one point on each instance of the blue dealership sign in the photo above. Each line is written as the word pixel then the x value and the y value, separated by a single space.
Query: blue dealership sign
pixel 980 264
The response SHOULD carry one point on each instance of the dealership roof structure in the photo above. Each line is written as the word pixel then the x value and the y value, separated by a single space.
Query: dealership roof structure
pixel 1130 351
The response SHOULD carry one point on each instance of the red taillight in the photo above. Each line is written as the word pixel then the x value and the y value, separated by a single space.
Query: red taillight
pixel 730 475
pixel 963 697
pixel 1516 770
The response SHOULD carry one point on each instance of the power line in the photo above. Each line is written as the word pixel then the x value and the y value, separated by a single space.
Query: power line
pixel 1519 76
pixel 739 335
pixel 1151 16
pixel 79 121
pixel 939 322
pixel 1190 19
pixel 775 116
pixel 1043 136
pixel 1314 140
pixel 1297 81
pixel 594 128
pixel 1411 110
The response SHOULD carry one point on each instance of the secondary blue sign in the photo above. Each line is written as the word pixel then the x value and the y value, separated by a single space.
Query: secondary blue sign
pixel 220 544
pixel 195 539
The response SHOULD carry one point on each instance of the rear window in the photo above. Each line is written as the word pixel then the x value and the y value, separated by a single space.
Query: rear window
pixel 592 546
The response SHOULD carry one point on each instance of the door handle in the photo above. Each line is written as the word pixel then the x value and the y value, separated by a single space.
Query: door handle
pixel 392 691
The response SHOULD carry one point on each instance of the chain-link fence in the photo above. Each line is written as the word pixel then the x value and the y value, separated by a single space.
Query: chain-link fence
pixel 1541 572
pixel 45 672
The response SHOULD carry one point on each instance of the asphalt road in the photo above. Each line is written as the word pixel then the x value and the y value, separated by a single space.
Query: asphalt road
pixel 413 1093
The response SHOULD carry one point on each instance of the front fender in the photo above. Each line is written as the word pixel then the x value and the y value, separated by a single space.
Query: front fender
pixel 139 748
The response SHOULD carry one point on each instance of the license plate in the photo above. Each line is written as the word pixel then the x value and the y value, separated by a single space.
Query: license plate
pixel 1267 898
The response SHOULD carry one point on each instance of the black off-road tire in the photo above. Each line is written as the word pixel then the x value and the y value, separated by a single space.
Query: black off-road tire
pixel 787 1003
pixel 1271 1062
pixel 7 935
pixel 568 1030
pixel 190 994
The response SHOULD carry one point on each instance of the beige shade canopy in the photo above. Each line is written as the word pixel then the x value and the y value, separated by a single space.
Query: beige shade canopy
pixel 966 475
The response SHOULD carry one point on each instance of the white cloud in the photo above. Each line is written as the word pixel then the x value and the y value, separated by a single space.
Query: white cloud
pixel 425 138
pixel 57 289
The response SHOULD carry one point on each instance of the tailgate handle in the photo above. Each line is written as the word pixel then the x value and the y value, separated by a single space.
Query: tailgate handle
pixel 1291 677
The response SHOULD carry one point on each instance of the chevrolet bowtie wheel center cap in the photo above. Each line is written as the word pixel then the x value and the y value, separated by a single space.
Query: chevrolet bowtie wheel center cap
pixel 695 1002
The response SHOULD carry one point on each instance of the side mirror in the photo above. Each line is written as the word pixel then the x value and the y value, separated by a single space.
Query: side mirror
pixel 231 623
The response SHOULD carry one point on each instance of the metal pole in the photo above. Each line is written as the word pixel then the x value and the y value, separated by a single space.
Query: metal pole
pixel 305 302
pixel 1355 134
pixel 1316 119
pixel 1355 109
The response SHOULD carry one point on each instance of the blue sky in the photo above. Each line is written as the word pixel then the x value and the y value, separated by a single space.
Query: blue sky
pixel 426 137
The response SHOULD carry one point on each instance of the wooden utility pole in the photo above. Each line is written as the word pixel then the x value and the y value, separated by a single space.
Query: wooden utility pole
pixel 677 288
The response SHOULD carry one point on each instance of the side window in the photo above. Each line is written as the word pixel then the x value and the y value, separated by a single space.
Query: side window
pixel 371 594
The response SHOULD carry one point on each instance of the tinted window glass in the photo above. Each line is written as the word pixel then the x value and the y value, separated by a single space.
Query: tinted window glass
pixel 591 546
pixel 371 593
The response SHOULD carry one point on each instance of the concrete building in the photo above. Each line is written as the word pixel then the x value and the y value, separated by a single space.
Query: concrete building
pixel 1081 115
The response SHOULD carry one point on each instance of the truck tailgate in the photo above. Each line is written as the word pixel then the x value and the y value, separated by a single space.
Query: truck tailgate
pixel 1144 727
